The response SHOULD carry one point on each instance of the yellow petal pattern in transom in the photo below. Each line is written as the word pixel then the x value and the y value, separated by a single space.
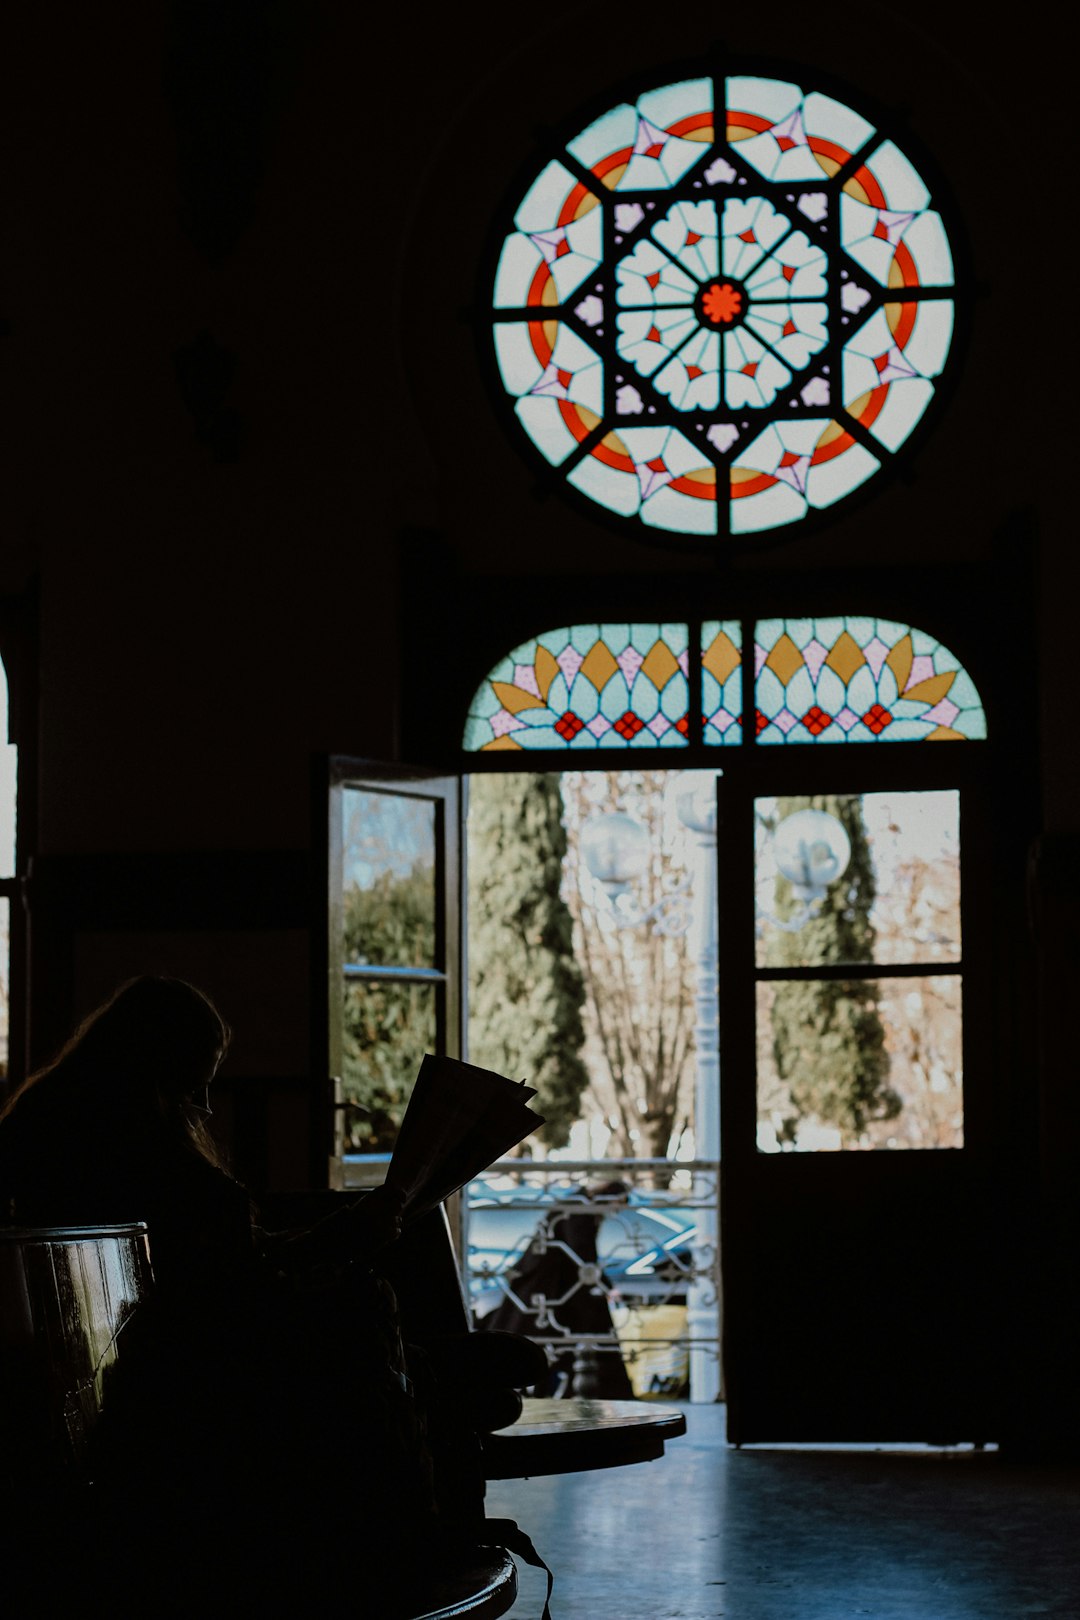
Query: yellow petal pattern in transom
pixel 514 699
pixel 846 656
pixel 599 665
pixel 784 659
pixel 933 689
pixel 660 664
pixel 500 745
pixel 944 734
pixel 546 670
pixel 899 660
pixel 721 657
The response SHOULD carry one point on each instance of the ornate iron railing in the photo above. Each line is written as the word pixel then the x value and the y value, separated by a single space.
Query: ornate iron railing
pixel 602 1262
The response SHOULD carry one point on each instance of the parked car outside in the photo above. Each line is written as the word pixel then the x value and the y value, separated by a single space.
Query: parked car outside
pixel 644 1246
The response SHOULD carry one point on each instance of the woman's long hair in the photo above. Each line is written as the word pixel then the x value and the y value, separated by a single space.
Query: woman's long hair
pixel 135 1064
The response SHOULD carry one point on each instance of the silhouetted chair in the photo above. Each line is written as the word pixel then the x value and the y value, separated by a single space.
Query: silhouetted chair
pixel 484 1586
pixel 68 1298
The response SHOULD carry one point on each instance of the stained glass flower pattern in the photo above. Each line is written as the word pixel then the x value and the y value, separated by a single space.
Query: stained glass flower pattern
pixel 859 680
pixel 587 686
pixel 723 306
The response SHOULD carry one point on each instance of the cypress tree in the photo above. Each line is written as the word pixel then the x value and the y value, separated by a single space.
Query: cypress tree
pixel 525 987
pixel 827 1035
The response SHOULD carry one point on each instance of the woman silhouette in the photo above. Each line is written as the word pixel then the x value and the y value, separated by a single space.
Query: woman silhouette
pixel 261 1356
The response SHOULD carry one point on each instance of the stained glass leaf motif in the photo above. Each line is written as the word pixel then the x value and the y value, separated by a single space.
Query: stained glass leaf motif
pixel 859 680
pixel 586 686
pixel 723 306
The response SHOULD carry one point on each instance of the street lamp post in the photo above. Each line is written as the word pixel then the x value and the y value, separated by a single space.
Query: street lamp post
pixel 695 804
pixel 615 849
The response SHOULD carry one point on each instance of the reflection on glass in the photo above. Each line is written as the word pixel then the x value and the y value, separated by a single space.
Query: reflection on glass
pixel 389 879
pixel 859 1064
pixel 388 1028
pixel 5 982
pixel 898 899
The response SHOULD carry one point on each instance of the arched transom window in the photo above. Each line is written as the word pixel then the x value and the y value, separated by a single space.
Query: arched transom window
pixel 843 679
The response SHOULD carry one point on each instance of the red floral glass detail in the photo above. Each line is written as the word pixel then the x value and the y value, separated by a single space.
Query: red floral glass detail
pixel 760 722
pixel 683 725
pixel 877 719
pixel 569 724
pixel 815 720
pixel 629 724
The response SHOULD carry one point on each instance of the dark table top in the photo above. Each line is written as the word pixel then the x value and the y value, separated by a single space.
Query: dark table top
pixel 570 1436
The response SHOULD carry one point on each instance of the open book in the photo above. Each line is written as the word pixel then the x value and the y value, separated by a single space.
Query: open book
pixel 459 1120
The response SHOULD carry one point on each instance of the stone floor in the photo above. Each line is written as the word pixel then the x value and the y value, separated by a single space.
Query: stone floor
pixel 800 1534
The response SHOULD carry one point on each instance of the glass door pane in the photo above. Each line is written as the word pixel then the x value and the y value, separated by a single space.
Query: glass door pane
pixel 869 1059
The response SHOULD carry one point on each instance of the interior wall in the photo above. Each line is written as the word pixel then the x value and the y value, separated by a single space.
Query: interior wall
pixel 242 377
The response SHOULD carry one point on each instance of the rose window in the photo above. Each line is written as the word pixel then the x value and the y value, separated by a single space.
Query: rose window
pixel 717 324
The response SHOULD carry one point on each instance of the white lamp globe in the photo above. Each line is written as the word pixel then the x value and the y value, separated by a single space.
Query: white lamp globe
pixel 812 850
pixel 615 848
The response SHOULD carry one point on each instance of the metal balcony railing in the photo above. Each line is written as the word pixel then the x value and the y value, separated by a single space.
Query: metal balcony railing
pixel 598 1259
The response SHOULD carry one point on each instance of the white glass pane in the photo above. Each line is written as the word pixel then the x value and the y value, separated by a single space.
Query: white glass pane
pixel 859 1065
pixel 897 898
pixel 388 879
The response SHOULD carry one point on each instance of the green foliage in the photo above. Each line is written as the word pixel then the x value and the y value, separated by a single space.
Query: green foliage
pixel 828 1037
pixel 525 986
pixel 388 1027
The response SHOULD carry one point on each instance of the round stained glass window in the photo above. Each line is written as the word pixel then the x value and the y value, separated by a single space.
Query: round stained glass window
pixel 723 306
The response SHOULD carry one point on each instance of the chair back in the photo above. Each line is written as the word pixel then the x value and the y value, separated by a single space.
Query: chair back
pixel 67 1293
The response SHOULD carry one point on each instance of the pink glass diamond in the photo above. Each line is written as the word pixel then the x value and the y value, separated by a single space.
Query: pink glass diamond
pixel 943 713
pixel 658 725
pixel 921 670
pixel 846 718
pixel 815 655
pixel 876 654
pixel 721 720
pixel 630 661
pixel 525 677
pixel 504 721
pixel 785 720
pixel 598 725
pixel 570 661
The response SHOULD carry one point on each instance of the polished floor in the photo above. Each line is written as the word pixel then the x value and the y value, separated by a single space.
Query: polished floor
pixel 769 1534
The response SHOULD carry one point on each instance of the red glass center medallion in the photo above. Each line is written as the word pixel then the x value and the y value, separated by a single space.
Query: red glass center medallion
pixel 721 303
